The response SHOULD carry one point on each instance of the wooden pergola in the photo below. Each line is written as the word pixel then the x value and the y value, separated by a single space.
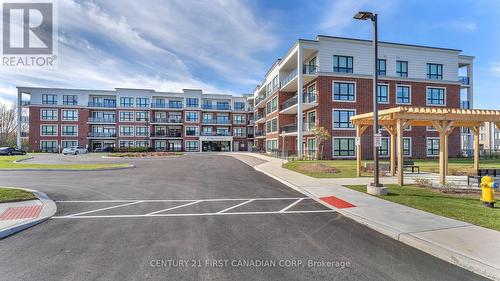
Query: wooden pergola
pixel 444 120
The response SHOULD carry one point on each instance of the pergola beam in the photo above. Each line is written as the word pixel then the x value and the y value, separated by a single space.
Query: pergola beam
pixel 360 129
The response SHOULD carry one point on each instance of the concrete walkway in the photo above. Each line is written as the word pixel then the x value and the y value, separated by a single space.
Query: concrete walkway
pixel 471 247
pixel 17 216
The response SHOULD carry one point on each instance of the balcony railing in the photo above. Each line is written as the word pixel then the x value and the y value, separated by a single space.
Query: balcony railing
pixel 464 80
pixel 310 69
pixel 216 107
pixel 260 116
pixel 25 102
pixel 259 99
pixel 101 135
pixel 306 98
pixel 259 133
pixel 101 120
pixel 250 136
pixel 216 121
pixel 167 105
pixel 289 77
pixel 464 104
pixel 292 128
pixel 167 120
pixel 216 133
pixel 141 119
pixel 103 104
pixel 166 134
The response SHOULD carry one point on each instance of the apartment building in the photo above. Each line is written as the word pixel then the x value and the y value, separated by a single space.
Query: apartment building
pixel 489 137
pixel 323 82
pixel 123 118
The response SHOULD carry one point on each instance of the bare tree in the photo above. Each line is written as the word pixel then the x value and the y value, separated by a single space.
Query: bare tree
pixel 321 135
pixel 8 125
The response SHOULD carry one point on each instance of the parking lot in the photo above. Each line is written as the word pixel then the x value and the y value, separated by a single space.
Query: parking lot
pixel 198 217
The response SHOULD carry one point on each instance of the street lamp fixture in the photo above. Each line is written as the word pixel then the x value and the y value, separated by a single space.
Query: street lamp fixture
pixel 376 187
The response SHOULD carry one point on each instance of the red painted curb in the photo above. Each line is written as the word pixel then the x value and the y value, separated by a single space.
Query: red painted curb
pixel 336 202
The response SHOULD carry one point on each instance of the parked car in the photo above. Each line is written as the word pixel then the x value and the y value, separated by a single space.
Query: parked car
pixel 11 151
pixel 75 150
pixel 104 149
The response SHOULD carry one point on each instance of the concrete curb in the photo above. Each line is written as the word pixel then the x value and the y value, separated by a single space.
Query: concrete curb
pixel 24 159
pixel 49 209
pixel 72 170
pixel 428 247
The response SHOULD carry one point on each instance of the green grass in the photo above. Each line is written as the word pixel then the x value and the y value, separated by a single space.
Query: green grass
pixel 464 207
pixel 347 168
pixel 11 195
pixel 6 162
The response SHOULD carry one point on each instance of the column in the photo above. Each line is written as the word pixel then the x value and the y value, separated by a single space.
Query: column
pixel 476 148
pixel 393 154
pixel 300 151
pixel 399 137
pixel 19 117
pixel 442 176
pixel 358 151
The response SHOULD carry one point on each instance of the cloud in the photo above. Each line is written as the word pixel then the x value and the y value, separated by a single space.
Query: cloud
pixel 460 25
pixel 166 46
pixel 495 68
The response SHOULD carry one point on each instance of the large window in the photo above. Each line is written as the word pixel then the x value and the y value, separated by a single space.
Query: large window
pixel 141 143
pixel 70 99
pixel 343 91
pixel 126 102
pixel 239 132
pixel 70 115
pixel 192 102
pixel 239 106
pixel 407 146
pixel 49 114
pixel 175 104
pixel 69 130
pixel 192 145
pixel 343 147
pixel 141 131
pixel 126 131
pixel 191 116
pixel 342 64
pixel 272 125
pixel 383 150
pixel 401 68
pixel 272 105
pixel 403 95
pixel 48 146
pixel 49 130
pixel 141 116
pixel 239 119
pixel 69 143
pixel 271 145
pixel 142 102
pixel 49 99
pixel 342 119
pixel 432 146
pixel 381 67
pixel 126 116
pixel 126 144
pixel 435 96
pixel 192 130
pixel 435 71
pixel 383 93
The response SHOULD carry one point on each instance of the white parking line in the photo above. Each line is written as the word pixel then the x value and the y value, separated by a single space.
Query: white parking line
pixel 178 200
pixel 235 206
pixel 173 208
pixel 194 215
pixel 103 209
pixel 291 205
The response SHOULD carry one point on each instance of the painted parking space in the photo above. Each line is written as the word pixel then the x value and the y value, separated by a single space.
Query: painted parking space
pixel 188 207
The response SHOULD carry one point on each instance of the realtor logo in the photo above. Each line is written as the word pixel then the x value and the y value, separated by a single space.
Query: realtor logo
pixel 28 34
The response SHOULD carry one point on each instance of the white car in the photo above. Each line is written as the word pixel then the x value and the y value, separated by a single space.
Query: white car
pixel 75 150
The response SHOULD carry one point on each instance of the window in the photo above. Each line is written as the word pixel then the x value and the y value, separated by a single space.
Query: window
pixel 343 147
pixel 239 132
pixel 239 119
pixel 434 71
pixel 160 145
pixel 69 130
pixel 192 130
pixel 403 95
pixel 126 144
pixel 430 129
pixel 141 143
pixel 383 150
pixel 191 116
pixel 192 145
pixel 381 67
pixel 126 102
pixel 70 115
pixel 311 146
pixel 342 119
pixel 49 130
pixel 239 106
pixel 407 146
pixel 482 137
pixel 435 96
pixel 432 146
pixel 192 102
pixel 275 83
pixel 48 146
pixel 142 102
pixel 69 143
pixel 272 105
pixel 141 116
pixel 401 68
pixel 175 104
pixel 49 99
pixel 126 131
pixel 70 99
pixel 141 131
pixel 49 114
pixel 383 93
pixel 310 123
pixel 342 64
pixel 272 125
pixel 343 91
pixel 126 116
pixel 223 105
pixel 271 145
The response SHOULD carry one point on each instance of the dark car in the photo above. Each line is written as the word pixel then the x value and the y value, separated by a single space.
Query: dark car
pixel 11 151
pixel 105 149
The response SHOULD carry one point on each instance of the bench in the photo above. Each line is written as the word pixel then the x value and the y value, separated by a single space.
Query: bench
pixel 410 164
pixel 483 172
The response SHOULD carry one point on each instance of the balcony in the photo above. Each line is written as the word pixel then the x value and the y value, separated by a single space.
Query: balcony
pixel 102 120
pixel 260 134
pixel 101 135
pixel 289 77
pixel 260 118
pixel 216 107
pixel 215 133
pixel 167 105
pixel 290 105
pixel 292 128
pixel 103 104
pixel 464 80
pixel 217 121
pixel 25 102
pixel 250 136
pixel 464 104
pixel 309 69
pixel 251 122
pixel 259 100
pixel 167 120
pixel 166 134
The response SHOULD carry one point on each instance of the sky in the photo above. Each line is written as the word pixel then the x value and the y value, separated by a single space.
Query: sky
pixel 227 46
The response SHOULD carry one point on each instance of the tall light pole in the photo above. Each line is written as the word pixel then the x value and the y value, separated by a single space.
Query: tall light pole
pixel 373 18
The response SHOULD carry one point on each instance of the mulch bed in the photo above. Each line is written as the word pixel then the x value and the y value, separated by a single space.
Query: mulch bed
pixel 318 168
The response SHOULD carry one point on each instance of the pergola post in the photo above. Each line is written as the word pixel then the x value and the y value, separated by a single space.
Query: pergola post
pixel 399 132
pixel 475 131
pixel 360 129
pixel 392 132
pixel 446 145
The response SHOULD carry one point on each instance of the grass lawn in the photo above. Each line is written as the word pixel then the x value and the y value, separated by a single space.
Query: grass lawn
pixel 347 168
pixel 10 195
pixel 464 207
pixel 6 162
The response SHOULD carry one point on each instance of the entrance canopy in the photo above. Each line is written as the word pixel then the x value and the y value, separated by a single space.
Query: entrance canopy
pixel 444 120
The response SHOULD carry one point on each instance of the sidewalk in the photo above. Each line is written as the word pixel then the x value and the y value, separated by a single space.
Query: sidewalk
pixel 471 247
pixel 17 216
